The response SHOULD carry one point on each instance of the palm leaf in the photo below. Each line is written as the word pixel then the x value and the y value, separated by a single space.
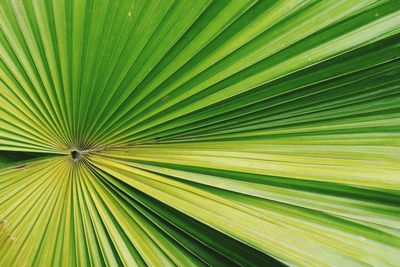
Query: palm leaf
pixel 191 133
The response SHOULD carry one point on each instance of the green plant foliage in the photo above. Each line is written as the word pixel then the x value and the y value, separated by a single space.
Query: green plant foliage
pixel 199 133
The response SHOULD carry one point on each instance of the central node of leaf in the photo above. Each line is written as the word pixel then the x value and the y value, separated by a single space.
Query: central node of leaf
pixel 74 154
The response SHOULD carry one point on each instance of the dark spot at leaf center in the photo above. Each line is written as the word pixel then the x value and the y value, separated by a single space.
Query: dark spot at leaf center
pixel 74 154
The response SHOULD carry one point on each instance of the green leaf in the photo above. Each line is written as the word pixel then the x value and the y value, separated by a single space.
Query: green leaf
pixel 199 133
